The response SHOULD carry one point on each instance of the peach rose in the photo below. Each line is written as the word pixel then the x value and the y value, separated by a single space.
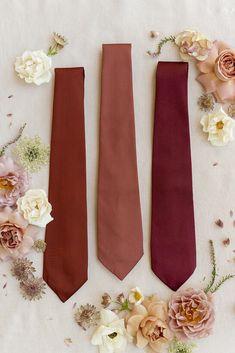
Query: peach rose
pixel 147 323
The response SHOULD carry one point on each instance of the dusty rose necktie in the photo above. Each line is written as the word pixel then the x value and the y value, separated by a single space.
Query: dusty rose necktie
pixel 65 260
pixel 120 241
pixel 173 247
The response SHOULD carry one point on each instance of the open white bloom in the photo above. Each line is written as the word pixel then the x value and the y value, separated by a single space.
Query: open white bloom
pixel 136 296
pixel 219 127
pixel 35 207
pixel 111 336
pixel 34 67
pixel 193 44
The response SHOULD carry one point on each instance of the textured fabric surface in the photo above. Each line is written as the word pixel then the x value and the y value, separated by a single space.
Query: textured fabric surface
pixel 42 326
pixel 119 224
pixel 65 261
pixel 173 251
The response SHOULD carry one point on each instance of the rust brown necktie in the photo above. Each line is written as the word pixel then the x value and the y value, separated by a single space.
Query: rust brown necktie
pixel 65 260
pixel 120 240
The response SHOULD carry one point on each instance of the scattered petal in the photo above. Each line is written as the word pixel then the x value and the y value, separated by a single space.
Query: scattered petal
pixel 4 285
pixel 215 164
pixel 154 34
pixel 219 223
pixel 11 95
pixel 231 213
pixel 226 242
pixel 68 341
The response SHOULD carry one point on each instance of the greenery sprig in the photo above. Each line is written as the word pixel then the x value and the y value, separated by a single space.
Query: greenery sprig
pixel 212 287
pixel 11 142
pixel 161 44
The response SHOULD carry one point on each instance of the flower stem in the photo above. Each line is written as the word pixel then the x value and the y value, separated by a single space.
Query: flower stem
pixel 161 44
pixel 221 282
pixel 11 142
pixel 214 272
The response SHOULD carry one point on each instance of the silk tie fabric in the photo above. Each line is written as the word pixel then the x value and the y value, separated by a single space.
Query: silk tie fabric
pixel 65 260
pixel 120 240
pixel 173 248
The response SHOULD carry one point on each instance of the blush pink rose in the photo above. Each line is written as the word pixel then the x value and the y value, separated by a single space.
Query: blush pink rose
pixel 191 313
pixel 16 235
pixel 225 65
pixel 217 72
pixel 14 181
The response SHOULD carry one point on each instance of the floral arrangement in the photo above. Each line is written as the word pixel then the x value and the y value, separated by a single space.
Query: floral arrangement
pixel 35 66
pixel 215 61
pixel 150 322
pixel 23 211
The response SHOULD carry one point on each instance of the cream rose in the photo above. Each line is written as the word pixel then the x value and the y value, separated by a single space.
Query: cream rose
pixel 111 335
pixel 193 44
pixel 35 207
pixel 34 67
pixel 219 127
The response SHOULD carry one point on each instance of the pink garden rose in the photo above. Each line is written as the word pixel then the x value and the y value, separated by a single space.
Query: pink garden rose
pixel 13 181
pixel 191 313
pixel 16 235
pixel 217 72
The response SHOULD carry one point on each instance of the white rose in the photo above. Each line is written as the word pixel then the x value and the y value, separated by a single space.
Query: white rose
pixel 111 336
pixel 35 207
pixel 34 67
pixel 219 127
pixel 193 44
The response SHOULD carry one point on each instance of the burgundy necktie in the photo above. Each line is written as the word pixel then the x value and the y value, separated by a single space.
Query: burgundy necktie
pixel 120 240
pixel 65 260
pixel 173 247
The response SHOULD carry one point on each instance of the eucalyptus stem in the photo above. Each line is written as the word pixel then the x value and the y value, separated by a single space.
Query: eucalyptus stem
pixel 11 142
pixel 214 272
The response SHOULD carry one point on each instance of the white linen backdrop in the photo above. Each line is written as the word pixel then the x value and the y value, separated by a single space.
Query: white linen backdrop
pixel 43 325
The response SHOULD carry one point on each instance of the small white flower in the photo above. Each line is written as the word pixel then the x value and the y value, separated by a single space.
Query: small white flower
pixel 34 67
pixel 111 336
pixel 193 44
pixel 136 296
pixel 219 127
pixel 35 207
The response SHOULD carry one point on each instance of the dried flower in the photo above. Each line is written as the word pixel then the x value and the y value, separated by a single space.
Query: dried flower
pixel 226 242
pixel 231 110
pixel 33 288
pixel 177 346
pixel 106 300
pixel 121 298
pixel 219 223
pixel 206 102
pixel 32 153
pixel 87 316
pixel 22 269
pixel 59 42
pixel 40 245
